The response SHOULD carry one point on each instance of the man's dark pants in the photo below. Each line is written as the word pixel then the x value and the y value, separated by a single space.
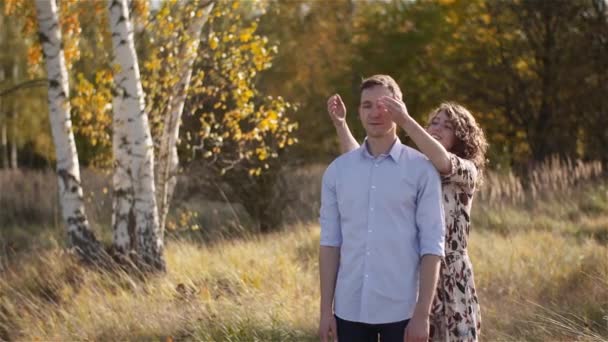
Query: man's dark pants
pixel 362 332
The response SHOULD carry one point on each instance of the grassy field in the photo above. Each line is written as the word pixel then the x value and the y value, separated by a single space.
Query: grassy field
pixel 540 261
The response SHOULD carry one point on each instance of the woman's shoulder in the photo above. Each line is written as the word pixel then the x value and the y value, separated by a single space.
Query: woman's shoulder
pixel 463 172
pixel 460 164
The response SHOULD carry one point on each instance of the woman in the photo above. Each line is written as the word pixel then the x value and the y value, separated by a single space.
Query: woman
pixel 456 145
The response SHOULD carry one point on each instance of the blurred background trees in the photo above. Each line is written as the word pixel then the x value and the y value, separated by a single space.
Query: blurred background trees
pixel 535 73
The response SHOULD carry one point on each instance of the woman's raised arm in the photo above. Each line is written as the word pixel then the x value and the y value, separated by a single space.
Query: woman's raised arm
pixel 428 145
pixel 337 112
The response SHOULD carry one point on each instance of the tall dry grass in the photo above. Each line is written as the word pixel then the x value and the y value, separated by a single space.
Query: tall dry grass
pixel 551 178
pixel 263 288
pixel 29 198
pixel 30 217
pixel 535 286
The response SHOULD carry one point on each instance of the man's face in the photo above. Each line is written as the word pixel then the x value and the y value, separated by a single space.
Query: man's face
pixel 375 119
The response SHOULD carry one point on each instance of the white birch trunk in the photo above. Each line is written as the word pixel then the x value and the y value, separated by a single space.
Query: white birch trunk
pixel 14 151
pixel 14 163
pixel 4 139
pixel 70 191
pixel 3 133
pixel 168 159
pixel 135 215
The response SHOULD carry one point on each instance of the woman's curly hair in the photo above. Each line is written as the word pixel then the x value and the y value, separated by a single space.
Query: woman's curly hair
pixel 471 142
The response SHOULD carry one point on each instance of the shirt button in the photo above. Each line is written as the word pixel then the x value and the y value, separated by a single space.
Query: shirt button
pixel 369 231
pixel 376 165
pixel 368 253
pixel 366 276
pixel 372 209
pixel 373 186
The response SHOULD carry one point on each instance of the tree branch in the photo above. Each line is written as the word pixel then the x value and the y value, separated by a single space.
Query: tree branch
pixel 24 85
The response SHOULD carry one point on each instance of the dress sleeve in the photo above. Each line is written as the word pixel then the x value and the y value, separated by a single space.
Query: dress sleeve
pixel 463 173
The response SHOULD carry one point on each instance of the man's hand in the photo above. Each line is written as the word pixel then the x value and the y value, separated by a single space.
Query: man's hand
pixel 336 110
pixel 417 329
pixel 397 110
pixel 327 328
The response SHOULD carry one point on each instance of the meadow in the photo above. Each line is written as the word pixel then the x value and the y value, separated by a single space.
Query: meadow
pixel 539 246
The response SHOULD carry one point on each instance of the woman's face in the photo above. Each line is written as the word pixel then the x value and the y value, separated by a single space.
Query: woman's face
pixel 442 129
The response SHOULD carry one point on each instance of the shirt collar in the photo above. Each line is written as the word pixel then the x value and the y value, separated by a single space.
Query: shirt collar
pixel 394 152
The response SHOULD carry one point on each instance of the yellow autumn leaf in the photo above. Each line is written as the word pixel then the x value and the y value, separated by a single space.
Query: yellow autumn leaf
pixel 213 43
pixel 272 115
pixel 9 6
pixel 262 153
pixel 485 18
pixel 245 36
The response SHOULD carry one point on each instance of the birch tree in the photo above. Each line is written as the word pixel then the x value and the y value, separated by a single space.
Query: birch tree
pixel 79 233
pixel 135 215
pixel 179 54
pixel 168 159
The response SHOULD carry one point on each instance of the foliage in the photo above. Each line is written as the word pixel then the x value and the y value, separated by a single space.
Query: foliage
pixel 520 64
pixel 532 72
pixel 314 61
pixel 22 103
pixel 231 122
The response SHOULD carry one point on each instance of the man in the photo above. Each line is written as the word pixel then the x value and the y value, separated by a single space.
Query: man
pixel 382 233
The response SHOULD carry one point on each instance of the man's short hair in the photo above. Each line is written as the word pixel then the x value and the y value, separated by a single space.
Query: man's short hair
pixel 382 80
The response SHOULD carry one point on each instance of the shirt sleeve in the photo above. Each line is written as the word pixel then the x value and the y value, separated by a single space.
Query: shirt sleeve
pixel 463 173
pixel 430 217
pixel 329 219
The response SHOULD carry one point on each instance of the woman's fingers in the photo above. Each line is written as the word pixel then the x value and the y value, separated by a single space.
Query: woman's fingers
pixel 389 100
pixel 332 99
pixel 331 104
pixel 338 105
pixel 389 106
pixel 392 104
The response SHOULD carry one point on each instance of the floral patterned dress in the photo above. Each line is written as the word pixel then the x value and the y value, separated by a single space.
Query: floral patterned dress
pixel 455 314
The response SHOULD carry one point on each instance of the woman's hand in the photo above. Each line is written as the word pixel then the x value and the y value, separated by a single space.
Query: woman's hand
pixel 397 110
pixel 336 110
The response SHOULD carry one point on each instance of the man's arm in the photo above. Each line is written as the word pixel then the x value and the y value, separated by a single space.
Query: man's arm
pixel 329 260
pixel 329 254
pixel 430 222
pixel 429 274
pixel 418 327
